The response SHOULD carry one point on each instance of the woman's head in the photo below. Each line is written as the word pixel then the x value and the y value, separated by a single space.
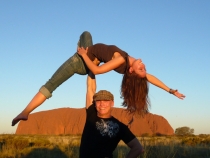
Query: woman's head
pixel 138 68
pixel 134 92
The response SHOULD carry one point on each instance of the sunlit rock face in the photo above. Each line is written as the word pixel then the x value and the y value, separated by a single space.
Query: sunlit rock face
pixel 71 121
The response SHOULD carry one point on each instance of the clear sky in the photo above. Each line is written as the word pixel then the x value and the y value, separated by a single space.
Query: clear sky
pixel 171 37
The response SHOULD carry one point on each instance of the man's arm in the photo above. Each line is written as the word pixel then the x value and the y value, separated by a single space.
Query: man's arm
pixel 135 148
pixel 91 89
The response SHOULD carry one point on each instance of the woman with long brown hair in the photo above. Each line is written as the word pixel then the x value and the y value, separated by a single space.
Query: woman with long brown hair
pixel 134 86
pixel 134 89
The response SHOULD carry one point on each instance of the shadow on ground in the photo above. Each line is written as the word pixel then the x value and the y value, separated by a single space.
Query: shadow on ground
pixel 45 153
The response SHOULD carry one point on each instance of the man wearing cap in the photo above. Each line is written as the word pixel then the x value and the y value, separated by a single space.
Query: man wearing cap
pixel 102 132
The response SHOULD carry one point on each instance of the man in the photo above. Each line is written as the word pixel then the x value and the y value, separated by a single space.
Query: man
pixel 102 132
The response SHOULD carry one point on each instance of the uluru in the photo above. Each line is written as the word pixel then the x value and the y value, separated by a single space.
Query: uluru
pixel 71 121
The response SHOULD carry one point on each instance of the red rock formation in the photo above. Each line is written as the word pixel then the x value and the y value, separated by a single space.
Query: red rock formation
pixel 71 121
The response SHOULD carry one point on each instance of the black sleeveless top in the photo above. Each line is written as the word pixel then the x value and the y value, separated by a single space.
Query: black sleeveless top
pixel 104 53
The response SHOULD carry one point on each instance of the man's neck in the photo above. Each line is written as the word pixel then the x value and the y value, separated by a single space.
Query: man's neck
pixel 104 115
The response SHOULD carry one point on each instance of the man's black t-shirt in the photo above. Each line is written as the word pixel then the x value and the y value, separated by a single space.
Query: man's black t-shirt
pixel 101 136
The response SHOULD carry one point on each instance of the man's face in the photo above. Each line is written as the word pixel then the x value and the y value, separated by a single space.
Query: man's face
pixel 103 108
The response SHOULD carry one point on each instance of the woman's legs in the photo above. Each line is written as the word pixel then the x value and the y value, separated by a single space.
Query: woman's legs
pixel 37 100
pixel 85 40
pixel 73 65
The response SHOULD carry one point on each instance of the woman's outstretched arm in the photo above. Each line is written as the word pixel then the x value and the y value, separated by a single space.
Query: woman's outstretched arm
pixel 106 67
pixel 155 81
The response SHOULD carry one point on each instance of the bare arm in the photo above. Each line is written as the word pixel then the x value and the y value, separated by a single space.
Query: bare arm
pixel 111 65
pixel 135 148
pixel 155 81
pixel 91 89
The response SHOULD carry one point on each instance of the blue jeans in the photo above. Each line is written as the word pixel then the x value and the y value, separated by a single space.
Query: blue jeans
pixel 74 64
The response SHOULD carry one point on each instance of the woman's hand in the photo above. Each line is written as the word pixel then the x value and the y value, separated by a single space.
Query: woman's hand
pixel 179 95
pixel 81 50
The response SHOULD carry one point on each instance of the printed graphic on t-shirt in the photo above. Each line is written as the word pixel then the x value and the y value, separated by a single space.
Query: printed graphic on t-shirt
pixel 107 128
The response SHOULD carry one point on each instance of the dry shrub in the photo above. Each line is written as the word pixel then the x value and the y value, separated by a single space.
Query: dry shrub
pixel 41 142
pixel 20 143
pixel 192 141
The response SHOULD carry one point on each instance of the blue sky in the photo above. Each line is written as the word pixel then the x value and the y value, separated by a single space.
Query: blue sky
pixel 171 37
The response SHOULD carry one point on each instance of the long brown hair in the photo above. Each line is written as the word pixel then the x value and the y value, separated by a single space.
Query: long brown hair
pixel 134 92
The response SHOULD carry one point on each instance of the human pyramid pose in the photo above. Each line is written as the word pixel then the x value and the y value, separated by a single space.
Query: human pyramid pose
pixel 102 132
pixel 134 86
